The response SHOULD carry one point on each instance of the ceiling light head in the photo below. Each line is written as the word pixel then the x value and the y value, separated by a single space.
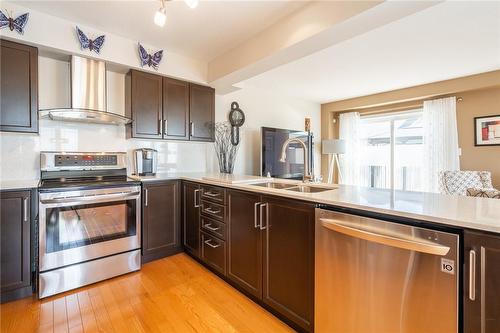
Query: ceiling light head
pixel 192 3
pixel 161 15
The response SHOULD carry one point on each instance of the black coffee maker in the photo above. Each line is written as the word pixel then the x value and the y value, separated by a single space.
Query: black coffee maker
pixel 146 160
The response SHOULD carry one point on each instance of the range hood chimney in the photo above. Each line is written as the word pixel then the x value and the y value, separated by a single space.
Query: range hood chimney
pixel 88 95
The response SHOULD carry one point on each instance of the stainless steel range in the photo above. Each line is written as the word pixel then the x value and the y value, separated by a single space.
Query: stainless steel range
pixel 89 220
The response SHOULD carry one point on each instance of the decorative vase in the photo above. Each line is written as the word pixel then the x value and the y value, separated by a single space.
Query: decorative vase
pixel 225 150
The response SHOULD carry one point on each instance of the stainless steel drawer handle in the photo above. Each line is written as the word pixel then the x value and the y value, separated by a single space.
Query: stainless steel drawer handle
pixel 209 227
pixel 211 211
pixel 209 243
pixel 377 235
pixel 212 194
pixel 472 275
pixel 145 197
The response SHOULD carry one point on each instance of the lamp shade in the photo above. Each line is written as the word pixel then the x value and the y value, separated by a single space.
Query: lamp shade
pixel 335 146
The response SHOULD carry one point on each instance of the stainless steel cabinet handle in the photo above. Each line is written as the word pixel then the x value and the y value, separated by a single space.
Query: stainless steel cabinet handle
pixel 145 197
pixel 160 125
pixel 208 242
pixel 255 215
pixel 483 289
pixel 378 235
pixel 262 227
pixel 191 127
pixel 25 210
pixel 209 227
pixel 210 210
pixel 211 194
pixel 165 126
pixel 472 275
pixel 196 201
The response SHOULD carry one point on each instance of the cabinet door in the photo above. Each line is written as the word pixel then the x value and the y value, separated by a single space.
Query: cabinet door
pixel 145 107
pixel 482 283
pixel 244 241
pixel 175 109
pixel 15 240
pixel 289 259
pixel 191 216
pixel 161 220
pixel 19 87
pixel 201 113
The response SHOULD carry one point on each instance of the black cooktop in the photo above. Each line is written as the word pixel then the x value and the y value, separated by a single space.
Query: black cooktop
pixel 85 183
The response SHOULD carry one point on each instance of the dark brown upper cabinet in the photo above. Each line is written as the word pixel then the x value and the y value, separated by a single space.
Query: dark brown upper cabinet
pixel 164 108
pixel 15 223
pixel 19 87
pixel 481 283
pixel 201 113
pixel 144 104
pixel 161 220
pixel 175 109
pixel 191 218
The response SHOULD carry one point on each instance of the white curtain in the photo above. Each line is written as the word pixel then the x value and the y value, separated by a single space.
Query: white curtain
pixel 350 161
pixel 440 140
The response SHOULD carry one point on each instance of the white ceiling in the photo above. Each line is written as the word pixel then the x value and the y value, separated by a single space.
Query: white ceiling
pixel 445 41
pixel 211 29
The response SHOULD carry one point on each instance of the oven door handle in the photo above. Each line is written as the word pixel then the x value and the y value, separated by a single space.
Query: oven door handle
pixel 90 198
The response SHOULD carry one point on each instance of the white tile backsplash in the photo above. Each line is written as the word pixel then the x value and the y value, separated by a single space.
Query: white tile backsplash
pixel 20 152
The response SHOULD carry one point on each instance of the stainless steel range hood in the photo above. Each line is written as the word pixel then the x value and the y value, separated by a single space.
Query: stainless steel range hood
pixel 88 95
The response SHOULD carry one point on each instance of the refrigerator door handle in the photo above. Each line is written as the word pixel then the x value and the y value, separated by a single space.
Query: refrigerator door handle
pixel 377 235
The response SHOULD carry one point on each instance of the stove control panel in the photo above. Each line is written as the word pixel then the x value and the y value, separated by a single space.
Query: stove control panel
pixel 61 161
pixel 84 160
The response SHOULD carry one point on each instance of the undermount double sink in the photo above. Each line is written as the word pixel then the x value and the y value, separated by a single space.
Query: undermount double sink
pixel 294 187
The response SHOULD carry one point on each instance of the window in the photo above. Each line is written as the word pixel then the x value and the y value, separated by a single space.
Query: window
pixel 392 151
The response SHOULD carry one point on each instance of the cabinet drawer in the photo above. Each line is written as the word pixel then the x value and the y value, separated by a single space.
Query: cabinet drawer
pixel 213 210
pixel 214 227
pixel 215 194
pixel 213 252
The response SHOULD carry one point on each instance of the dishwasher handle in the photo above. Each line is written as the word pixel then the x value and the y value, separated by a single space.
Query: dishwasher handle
pixel 377 235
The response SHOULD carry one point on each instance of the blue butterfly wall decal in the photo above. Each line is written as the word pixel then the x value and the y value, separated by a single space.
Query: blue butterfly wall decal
pixel 148 59
pixel 87 43
pixel 17 24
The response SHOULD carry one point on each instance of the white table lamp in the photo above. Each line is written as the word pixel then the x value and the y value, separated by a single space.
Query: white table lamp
pixel 333 148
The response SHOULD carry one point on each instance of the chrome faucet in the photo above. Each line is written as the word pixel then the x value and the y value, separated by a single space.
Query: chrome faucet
pixel 307 176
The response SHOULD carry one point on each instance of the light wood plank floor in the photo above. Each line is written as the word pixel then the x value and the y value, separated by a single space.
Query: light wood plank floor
pixel 173 294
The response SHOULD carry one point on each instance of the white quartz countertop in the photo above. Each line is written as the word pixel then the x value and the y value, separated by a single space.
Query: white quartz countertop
pixel 456 211
pixel 18 184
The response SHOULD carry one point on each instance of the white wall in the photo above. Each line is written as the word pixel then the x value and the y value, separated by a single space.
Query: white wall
pixel 265 108
pixel 58 35
pixel 20 152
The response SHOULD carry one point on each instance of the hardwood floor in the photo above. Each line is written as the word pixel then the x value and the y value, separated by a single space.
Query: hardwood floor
pixel 174 294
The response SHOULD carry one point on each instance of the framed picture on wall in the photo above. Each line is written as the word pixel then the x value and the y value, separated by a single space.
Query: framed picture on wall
pixel 487 131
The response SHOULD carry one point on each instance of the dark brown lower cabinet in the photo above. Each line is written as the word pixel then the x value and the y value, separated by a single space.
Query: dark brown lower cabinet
pixel 15 227
pixel 481 283
pixel 161 220
pixel 245 242
pixel 191 218
pixel 271 253
pixel 288 270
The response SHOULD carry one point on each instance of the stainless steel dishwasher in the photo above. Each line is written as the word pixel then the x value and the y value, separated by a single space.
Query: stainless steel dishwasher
pixel 374 276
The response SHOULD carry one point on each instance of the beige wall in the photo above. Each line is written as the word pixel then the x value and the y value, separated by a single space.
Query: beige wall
pixel 480 97
pixel 476 104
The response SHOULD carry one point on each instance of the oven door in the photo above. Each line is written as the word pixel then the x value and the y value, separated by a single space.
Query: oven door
pixel 77 226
